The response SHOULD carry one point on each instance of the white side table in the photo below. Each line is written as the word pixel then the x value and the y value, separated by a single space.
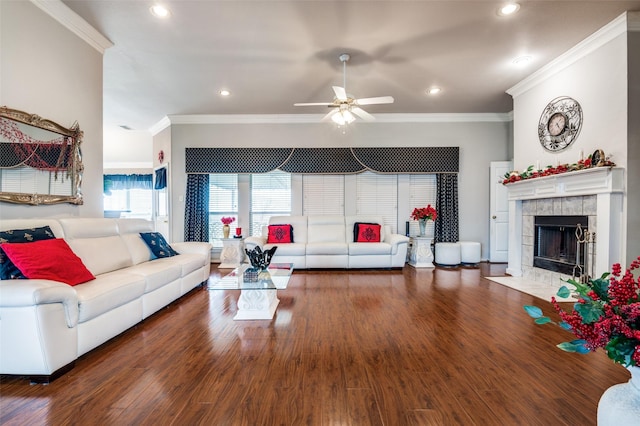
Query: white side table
pixel 421 254
pixel 232 253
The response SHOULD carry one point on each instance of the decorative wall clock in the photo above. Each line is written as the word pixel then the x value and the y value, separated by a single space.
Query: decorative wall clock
pixel 560 124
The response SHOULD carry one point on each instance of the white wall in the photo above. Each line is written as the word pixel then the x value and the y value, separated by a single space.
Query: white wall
pixel 49 71
pixel 599 83
pixel 480 143
pixel 603 74
pixel 127 149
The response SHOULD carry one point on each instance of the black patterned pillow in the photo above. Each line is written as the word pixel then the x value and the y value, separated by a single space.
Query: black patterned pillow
pixel 9 271
pixel 158 244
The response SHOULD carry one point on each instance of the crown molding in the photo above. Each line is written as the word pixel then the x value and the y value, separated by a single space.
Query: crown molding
pixel 595 41
pixel 316 119
pixel 160 126
pixel 74 23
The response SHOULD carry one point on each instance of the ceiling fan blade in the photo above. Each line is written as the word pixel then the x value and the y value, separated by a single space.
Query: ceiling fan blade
pixel 377 100
pixel 362 114
pixel 314 104
pixel 341 94
pixel 328 116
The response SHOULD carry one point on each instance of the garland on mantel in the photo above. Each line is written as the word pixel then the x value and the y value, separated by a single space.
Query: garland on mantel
pixel 530 173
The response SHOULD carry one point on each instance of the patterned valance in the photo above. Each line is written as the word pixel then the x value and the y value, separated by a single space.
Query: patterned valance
pixel 323 160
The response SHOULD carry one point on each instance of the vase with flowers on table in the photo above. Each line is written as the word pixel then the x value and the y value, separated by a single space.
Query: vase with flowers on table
pixel 421 255
pixel 232 254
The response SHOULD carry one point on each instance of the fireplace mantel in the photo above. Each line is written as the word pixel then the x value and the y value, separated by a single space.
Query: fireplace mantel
pixel 606 183
pixel 597 180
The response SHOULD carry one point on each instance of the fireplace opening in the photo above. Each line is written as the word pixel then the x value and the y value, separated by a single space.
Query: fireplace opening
pixel 556 246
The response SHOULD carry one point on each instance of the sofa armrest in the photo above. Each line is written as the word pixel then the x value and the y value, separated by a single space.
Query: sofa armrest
pixel 193 247
pixel 396 240
pixel 25 293
pixel 252 242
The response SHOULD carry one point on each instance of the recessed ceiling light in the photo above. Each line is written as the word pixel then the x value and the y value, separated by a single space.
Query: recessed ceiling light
pixel 159 11
pixel 508 9
pixel 521 61
pixel 224 92
pixel 433 91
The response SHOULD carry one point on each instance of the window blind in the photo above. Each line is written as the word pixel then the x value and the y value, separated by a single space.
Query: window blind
pixel 223 201
pixel 378 195
pixel 323 194
pixel 270 196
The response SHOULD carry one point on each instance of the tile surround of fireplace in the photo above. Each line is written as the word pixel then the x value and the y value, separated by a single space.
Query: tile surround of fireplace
pixel 551 207
pixel 596 193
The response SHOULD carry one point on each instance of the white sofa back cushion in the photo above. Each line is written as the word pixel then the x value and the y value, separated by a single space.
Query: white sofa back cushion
pixel 326 229
pixel 299 224
pixel 98 243
pixel 351 220
pixel 130 230
pixel 8 225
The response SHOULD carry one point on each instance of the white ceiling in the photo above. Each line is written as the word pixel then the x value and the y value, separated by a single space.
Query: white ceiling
pixel 273 53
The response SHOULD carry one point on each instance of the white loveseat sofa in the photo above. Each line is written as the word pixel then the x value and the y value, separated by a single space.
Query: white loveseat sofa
pixel 328 242
pixel 45 325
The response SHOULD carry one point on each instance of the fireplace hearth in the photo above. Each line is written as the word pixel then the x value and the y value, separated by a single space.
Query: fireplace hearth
pixel 556 247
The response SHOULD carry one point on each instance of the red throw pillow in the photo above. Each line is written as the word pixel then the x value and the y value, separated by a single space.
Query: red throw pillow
pixel 368 233
pixel 279 234
pixel 48 260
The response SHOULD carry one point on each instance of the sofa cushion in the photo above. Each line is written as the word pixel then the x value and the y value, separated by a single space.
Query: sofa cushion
pixel 107 292
pixel 93 252
pixel 299 224
pixel 157 274
pixel 359 249
pixel 158 245
pixel 91 239
pixel 8 269
pixel 50 259
pixel 188 262
pixel 351 220
pixel 327 248
pixel 367 232
pixel 280 234
pixel 293 249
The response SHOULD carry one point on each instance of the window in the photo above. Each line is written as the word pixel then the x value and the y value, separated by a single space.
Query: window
pixel 137 203
pixel 270 196
pixel 323 194
pixel 377 194
pixel 223 201
pixel 422 191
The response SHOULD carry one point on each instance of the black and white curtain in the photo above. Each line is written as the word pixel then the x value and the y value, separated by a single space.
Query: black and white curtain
pixel 196 212
pixel 446 226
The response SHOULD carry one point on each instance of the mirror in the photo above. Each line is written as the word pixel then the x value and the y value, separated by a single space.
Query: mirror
pixel 40 161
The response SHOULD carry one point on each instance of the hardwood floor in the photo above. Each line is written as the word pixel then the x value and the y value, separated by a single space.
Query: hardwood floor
pixel 402 347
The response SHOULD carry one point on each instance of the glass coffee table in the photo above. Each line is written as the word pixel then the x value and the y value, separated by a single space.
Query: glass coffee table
pixel 258 298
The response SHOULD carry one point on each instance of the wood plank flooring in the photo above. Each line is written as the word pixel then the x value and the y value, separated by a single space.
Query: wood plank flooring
pixel 401 347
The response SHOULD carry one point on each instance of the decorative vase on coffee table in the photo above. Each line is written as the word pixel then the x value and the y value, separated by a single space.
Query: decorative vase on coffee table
pixel 225 231
pixel 620 404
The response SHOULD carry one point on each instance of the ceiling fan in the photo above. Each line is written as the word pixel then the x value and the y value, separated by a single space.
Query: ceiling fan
pixel 344 106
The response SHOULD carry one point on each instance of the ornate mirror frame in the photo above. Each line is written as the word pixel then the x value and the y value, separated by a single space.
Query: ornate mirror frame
pixel 67 154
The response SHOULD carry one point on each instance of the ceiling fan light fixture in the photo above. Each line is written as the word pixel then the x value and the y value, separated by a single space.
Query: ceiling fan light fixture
pixel 521 61
pixel 342 117
pixel 159 11
pixel 433 90
pixel 508 9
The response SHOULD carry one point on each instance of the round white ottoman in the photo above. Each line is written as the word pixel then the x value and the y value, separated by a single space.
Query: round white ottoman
pixel 470 252
pixel 448 254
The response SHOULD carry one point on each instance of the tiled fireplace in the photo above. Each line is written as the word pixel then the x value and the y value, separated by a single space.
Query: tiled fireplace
pixel 596 194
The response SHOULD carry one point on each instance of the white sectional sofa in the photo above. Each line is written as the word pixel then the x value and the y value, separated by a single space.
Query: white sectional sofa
pixel 328 242
pixel 45 325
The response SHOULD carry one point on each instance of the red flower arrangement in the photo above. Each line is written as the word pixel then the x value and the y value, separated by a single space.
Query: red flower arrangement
pixel 606 315
pixel 228 220
pixel 424 213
